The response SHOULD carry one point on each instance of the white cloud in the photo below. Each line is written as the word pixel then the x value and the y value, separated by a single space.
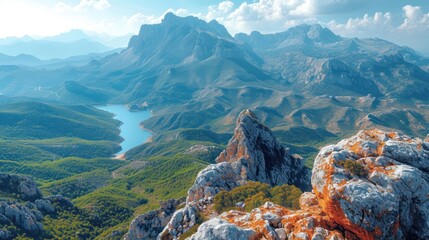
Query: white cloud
pixel 276 15
pixel 380 22
pixel 415 19
pixel 220 11
pixel 83 5
pixel 268 15
pixel 317 7
pixel 134 22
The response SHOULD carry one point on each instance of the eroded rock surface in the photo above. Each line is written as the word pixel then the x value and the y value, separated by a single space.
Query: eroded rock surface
pixel 274 222
pixel 149 225
pixel 375 184
pixel 253 154
pixel 218 229
pixel 256 155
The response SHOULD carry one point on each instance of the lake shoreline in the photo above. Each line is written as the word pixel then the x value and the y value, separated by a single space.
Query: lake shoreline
pixel 131 127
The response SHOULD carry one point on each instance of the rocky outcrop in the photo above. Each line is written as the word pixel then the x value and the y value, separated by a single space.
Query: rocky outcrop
pixel 253 154
pixel 149 225
pixel 25 216
pixel 274 222
pixel 22 185
pixel 375 184
pixel 212 180
pixel 219 229
pixel 28 215
pixel 51 204
pixel 256 155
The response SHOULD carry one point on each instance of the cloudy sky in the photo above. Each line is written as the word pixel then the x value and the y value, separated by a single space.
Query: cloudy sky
pixel 405 22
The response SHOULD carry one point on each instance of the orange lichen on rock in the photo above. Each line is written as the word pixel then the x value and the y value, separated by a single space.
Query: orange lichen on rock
pixel 271 221
pixel 330 203
pixel 364 204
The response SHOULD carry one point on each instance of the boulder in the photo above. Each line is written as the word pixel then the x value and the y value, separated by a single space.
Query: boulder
pixel 218 229
pixel 375 185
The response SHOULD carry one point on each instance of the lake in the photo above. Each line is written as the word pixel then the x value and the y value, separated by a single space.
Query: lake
pixel 131 131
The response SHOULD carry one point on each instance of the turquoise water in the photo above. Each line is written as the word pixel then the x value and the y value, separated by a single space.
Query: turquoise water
pixel 131 131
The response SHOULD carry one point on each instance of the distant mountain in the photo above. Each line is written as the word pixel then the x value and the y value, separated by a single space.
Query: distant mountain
pixel 44 49
pixel 194 74
pixel 314 59
pixel 56 63
pixel 103 38
pixel 19 60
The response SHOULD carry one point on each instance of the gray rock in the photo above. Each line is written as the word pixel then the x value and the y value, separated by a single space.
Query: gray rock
pixel 256 155
pixel 218 229
pixel 390 200
pixel 22 185
pixel 44 205
pixel 253 154
pixel 21 216
pixel 149 225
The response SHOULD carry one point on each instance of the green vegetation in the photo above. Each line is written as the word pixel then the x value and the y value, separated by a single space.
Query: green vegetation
pixel 165 148
pixel 305 141
pixel 354 167
pixel 34 120
pixel 204 135
pixel 59 169
pixel 255 194
pixel 37 132
pixel 78 185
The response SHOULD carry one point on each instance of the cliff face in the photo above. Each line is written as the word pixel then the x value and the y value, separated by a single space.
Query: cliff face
pixel 256 155
pixel 373 185
pixel 252 154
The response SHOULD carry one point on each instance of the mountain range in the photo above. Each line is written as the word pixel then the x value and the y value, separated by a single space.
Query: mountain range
pixel 302 89
pixel 64 45
pixel 194 74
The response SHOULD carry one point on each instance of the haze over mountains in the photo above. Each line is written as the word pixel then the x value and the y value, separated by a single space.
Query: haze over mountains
pixel 64 45
pixel 195 74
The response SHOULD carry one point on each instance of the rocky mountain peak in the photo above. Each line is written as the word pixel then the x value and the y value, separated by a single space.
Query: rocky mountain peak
pixel 252 154
pixel 182 40
pixel 256 155
pixel 300 35
pixel 170 20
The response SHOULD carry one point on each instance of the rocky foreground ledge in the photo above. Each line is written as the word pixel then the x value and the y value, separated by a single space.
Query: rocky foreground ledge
pixel 374 185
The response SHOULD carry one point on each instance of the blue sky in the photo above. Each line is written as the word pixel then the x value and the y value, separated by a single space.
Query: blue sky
pixel 403 22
